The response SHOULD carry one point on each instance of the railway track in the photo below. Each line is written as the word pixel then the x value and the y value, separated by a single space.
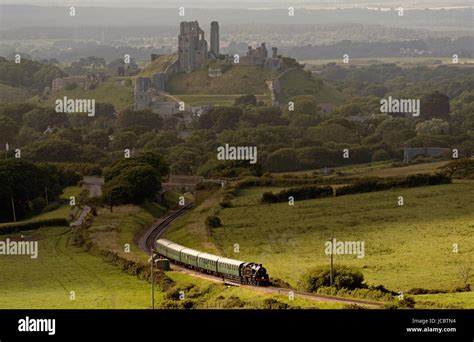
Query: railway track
pixel 159 227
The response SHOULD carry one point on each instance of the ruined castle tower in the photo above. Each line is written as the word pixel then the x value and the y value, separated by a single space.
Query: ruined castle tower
pixel 274 52
pixel 192 46
pixel 215 38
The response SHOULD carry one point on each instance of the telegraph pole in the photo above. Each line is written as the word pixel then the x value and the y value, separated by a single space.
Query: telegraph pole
pixel 152 283
pixel 331 269
pixel 13 208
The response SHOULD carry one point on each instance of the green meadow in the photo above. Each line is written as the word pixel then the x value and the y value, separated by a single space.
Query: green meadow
pixel 409 246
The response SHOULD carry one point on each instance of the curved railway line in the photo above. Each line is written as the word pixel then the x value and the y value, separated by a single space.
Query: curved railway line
pixel 159 227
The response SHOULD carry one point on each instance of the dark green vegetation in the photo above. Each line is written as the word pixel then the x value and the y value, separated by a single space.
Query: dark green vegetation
pixel 134 180
pixel 408 248
pixel 31 187
pixel 311 136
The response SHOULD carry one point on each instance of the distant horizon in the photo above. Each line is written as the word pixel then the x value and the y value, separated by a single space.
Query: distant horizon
pixel 251 4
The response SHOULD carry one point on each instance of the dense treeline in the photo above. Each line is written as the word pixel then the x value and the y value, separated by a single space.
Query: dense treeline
pixel 26 184
pixel 133 180
pixel 305 138
pixel 358 186
pixel 28 74
pixel 375 184
pixel 298 194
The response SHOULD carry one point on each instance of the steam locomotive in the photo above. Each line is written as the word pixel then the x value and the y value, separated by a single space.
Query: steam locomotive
pixel 229 269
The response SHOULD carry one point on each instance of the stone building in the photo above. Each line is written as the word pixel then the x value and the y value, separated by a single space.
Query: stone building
pixel 84 82
pixel 192 46
pixel 214 53
pixel 259 57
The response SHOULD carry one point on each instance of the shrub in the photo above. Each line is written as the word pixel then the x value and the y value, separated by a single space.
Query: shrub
pixel 269 197
pixel 343 277
pixel 38 203
pixel 380 155
pixel 10 228
pixel 233 302
pixel 270 303
pixel 71 86
pixel 377 184
pixel 226 204
pixel 213 222
pixel 301 193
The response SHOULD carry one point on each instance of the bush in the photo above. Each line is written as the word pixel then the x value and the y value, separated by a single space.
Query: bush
pixel 38 203
pixel 71 86
pixel 10 228
pixel 377 184
pixel 270 303
pixel 380 155
pixel 213 222
pixel 344 277
pixel 302 193
pixel 226 204
pixel 269 197
pixel 233 302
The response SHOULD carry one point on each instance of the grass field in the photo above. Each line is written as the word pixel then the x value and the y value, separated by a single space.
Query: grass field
pixel 112 230
pixel 381 169
pixel 397 60
pixel 63 212
pixel 158 65
pixel 299 82
pixel 46 282
pixel 454 300
pixel 405 247
pixel 110 91
pixel 237 80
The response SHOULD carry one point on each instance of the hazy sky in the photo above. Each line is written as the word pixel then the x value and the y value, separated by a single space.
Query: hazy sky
pixel 228 3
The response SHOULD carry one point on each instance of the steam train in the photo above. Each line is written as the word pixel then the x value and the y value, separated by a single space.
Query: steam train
pixel 229 269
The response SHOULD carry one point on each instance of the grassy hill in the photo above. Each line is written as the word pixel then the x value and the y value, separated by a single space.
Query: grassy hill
pixel 236 80
pixel 405 247
pixel 13 94
pixel 61 267
pixel 158 65
pixel 115 90
pixel 300 82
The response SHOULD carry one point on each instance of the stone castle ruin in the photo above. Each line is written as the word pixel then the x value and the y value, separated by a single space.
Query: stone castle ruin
pixel 193 53
pixel 259 57
pixel 84 82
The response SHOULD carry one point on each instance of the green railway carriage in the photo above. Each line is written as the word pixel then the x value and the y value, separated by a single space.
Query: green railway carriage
pixel 174 251
pixel 161 245
pixel 189 257
pixel 207 262
pixel 230 267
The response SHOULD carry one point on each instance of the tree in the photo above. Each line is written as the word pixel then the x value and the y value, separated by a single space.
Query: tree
pixel 344 277
pixel 145 118
pixel 133 180
pixel 8 130
pixel 435 105
pixel 432 127
pixel 56 150
pixel 245 100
